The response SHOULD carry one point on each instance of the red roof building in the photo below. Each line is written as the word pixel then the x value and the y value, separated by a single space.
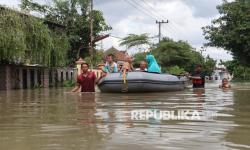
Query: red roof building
pixel 118 54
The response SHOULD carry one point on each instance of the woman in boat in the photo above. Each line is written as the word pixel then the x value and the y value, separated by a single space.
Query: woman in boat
pixel 152 64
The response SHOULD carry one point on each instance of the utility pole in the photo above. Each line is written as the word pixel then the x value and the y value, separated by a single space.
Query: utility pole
pixel 91 34
pixel 160 22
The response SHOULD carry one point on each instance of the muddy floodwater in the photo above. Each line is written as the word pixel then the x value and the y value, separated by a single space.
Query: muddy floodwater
pixel 53 119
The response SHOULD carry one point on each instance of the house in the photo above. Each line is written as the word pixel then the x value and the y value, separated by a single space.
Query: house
pixel 118 54
pixel 221 72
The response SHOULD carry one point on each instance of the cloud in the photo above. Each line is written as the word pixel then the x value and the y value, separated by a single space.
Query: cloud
pixel 186 17
pixel 203 8
pixel 10 3
pixel 218 54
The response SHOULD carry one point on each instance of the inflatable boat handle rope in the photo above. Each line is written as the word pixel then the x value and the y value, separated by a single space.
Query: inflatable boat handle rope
pixel 125 83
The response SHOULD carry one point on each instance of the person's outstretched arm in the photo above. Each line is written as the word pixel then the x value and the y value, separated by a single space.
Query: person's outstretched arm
pixel 193 77
pixel 76 88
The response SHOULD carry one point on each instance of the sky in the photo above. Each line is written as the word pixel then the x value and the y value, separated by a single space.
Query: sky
pixel 186 18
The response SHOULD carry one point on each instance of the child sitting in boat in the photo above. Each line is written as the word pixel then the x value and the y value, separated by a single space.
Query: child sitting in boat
pixel 128 64
pixel 225 84
pixel 152 64
pixel 127 67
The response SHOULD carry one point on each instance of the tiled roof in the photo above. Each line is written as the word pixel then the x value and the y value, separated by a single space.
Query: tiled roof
pixel 119 55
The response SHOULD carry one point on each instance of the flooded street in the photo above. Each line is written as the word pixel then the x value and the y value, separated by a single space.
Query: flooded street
pixel 51 119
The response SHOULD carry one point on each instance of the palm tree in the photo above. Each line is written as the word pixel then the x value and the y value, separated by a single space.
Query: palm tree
pixel 133 40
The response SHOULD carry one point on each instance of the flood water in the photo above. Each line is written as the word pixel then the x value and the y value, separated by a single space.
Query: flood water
pixel 51 119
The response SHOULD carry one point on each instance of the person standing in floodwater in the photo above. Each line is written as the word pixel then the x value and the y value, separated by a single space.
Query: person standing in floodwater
pixel 225 84
pixel 86 80
pixel 198 77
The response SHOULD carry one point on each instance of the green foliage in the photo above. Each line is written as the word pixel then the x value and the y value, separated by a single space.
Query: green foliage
pixel 138 57
pixel 26 39
pixel 231 30
pixel 60 49
pixel 208 65
pixel 170 53
pixel 38 86
pixel 176 70
pixel 177 57
pixel 135 40
pixel 74 14
pixel 12 37
pixel 99 56
pixel 240 72
pixel 27 4
pixel 69 83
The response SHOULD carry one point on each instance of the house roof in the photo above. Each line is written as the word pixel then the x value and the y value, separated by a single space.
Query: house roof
pixel 119 55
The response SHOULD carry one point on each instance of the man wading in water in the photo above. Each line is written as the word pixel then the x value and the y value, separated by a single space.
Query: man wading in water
pixel 86 80
pixel 198 77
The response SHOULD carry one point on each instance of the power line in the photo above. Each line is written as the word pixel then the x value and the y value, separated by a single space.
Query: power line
pixel 139 9
pixel 154 13
pixel 148 10
pixel 149 13
pixel 152 8
pixel 172 25
pixel 177 27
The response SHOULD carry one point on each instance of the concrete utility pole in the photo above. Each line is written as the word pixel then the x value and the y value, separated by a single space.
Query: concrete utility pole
pixel 160 22
pixel 91 34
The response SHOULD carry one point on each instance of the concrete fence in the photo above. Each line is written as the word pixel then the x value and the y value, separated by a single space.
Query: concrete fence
pixel 24 77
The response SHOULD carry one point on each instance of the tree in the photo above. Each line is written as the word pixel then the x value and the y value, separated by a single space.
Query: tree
pixel 26 39
pixel 208 65
pixel 170 53
pixel 175 70
pixel 133 40
pixel 231 30
pixel 177 57
pixel 239 71
pixel 138 57
pixel 98 59
pixel 74 14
